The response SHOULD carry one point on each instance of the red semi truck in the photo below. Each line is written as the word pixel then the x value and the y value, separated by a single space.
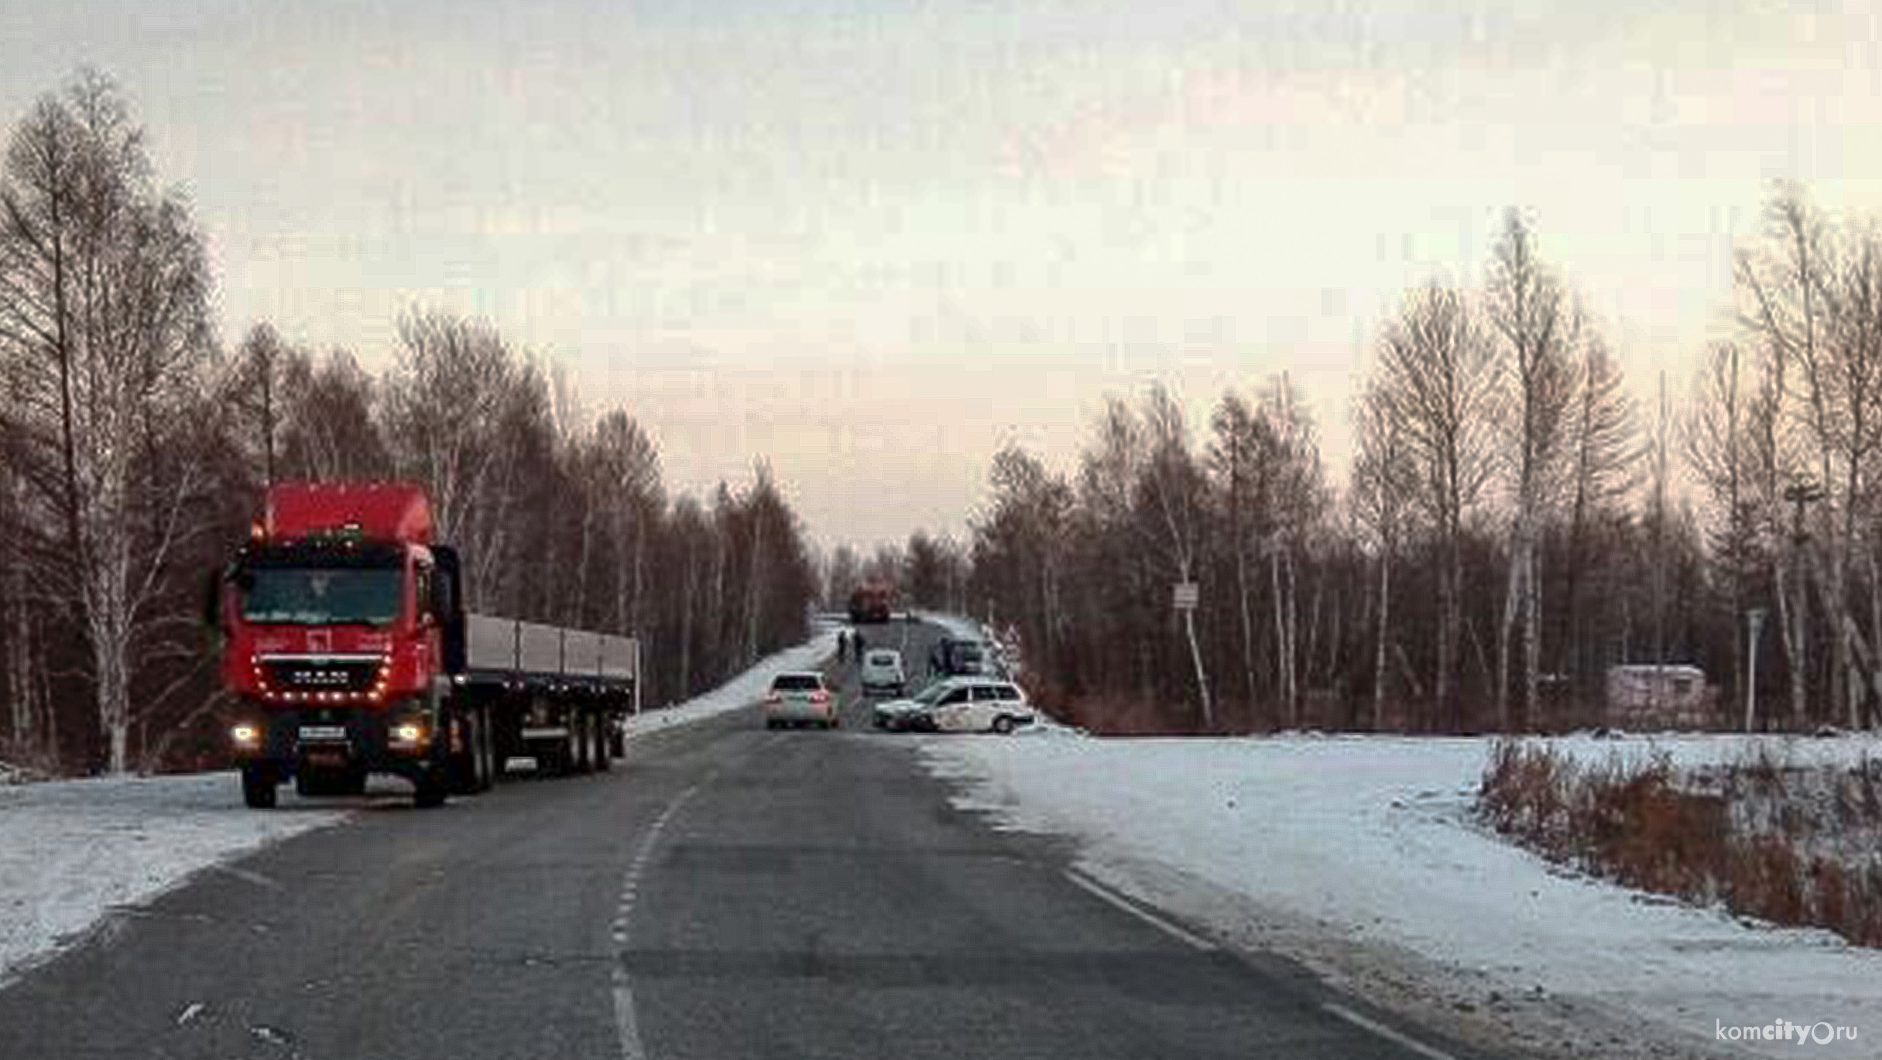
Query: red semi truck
pixel 348 647
pixel 870 601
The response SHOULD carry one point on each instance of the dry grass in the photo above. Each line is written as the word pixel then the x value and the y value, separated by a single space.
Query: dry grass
pixel 1792 845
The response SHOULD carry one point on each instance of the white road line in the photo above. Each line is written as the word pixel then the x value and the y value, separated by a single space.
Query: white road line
pixel 1383 1031
pixel 1092 887
pixel 249 876
pixel 626 1032
pixel 626 1027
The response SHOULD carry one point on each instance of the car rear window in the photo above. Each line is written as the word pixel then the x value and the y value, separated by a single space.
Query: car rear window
pixel 796 683
pixel 1008 692
pixel 882 658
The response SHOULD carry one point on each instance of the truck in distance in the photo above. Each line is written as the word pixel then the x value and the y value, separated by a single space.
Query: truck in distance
pixel 870 601
pixel 347 646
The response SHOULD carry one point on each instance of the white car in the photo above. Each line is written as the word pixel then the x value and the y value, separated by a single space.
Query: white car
pixel 899 715
pixel 800 697
pixel 882 672
pixel 979 704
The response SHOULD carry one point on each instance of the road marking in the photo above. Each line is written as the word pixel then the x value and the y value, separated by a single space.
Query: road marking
pixel 1097 889
pixel 626 1026
pixel 249 876
pixel 1383 1031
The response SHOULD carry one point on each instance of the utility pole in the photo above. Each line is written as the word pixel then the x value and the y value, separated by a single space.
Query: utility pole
pixel 1802 490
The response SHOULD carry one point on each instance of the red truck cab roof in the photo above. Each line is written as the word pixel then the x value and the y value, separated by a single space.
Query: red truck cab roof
pixel 373 511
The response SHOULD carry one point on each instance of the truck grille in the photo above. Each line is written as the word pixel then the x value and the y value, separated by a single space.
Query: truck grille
pixel 321 675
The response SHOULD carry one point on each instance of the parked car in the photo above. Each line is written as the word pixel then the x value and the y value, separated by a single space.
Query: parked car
pixel 799 698
pixel 953 657
pixel 981 704
pixel 902 715
pixel 959 704
pixel 882 672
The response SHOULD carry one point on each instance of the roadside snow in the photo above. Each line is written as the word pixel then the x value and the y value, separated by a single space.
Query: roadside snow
pixel 741 691
pixel 1359 856
pixel 72 851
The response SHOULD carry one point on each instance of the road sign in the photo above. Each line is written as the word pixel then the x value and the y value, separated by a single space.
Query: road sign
pixel 1186 596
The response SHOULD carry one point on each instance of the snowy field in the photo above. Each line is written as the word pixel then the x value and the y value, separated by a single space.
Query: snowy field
pixel 72 851
pixel 1358 856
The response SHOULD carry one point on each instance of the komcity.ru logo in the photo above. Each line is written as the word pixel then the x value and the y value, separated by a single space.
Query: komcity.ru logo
pixel 1785 1031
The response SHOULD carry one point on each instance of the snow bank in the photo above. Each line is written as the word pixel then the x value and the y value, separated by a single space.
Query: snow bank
pixel 72 850
pixel 1370 841
pixel 741 691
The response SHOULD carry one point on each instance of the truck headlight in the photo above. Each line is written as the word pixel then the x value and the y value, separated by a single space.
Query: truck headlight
pixel 408 733
pixel 245 735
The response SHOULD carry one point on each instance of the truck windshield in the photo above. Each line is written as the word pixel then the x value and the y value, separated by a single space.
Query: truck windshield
pixel 318 596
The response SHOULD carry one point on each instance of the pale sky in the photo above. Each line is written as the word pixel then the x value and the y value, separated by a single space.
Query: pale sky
pixel 876 240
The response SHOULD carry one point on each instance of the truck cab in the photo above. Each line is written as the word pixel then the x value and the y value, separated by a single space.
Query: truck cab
pixel 341 618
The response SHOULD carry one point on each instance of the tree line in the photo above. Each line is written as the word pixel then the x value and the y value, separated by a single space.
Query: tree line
pixel 1513 523
pixel 134 449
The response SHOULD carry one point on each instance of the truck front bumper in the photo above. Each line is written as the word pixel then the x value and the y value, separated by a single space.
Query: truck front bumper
pixel 337 739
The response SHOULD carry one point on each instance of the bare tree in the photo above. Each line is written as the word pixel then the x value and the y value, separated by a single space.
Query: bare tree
pixel 1606 458
pixel 625 466
pixel 1437 375
pixel 268 373
pixel 1383 482
pixel 1539 330
pixel 1235 455
pixel 1814 303
pixel 104 326
pixel 443 409
pixel 331 431
pixel 1176 489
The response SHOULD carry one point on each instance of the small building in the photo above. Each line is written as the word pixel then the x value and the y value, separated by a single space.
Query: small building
pixel 1648 696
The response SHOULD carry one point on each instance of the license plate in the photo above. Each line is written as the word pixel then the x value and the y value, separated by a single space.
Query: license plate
pixel 323 732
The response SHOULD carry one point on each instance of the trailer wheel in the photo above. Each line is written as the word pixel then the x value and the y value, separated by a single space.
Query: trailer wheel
pixel 487 749
pixel 578 744
pixel 258 787
pixel 604 743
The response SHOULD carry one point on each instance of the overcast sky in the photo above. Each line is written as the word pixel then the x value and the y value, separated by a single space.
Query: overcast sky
pixel 875 240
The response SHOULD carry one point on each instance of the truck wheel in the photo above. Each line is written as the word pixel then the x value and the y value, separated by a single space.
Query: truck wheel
pixel 431 788
pixel 584 747
pixel 258 787
pixel 467 763
pixel 487 748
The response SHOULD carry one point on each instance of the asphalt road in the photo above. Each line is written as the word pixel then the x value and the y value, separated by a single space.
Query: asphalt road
pixel 727 892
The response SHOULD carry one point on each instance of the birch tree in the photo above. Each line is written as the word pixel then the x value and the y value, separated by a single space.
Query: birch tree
pixel 104 328
pixel 1437 376
pixel 1383 482
pixel 1539 331
pixel 1176 491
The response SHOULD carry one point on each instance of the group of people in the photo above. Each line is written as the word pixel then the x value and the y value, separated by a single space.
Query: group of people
pixel 848 644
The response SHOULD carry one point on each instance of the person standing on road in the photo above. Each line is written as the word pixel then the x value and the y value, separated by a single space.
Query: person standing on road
pixel 842 645
pixel 858 643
